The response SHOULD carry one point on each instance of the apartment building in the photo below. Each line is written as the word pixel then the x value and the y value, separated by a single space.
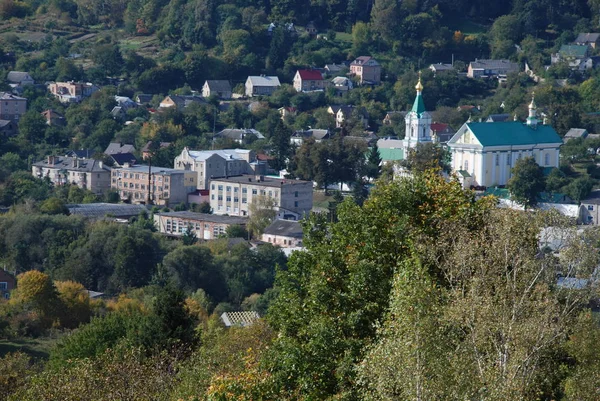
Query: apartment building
pixel 218 163
pixel 12 107
pixel 204 226
pixel 159 185
pixel 234 195
pixel 367 69
pixel 85 173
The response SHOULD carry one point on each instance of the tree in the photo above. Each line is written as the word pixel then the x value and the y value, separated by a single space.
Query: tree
pixel 579 189
pixel 384 19
pixel 236 231
pixel 527 182
pixel 556 180
pixel 54 206
pixel 427 156
pixel 261 212
pixel 193 267
pixel 373 167
pixel 280 142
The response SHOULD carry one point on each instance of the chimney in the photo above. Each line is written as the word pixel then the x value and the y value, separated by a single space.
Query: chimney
pixel 51 160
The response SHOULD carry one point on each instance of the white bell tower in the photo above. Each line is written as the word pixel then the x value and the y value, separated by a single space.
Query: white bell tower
pixel 418 122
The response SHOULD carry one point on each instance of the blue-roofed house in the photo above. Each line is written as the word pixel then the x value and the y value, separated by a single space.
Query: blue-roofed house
pixel 483 154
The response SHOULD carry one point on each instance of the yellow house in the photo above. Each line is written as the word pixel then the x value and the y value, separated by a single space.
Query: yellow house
pixel 483 154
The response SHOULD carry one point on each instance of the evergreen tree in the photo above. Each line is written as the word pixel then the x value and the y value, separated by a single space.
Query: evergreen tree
pixel 373 168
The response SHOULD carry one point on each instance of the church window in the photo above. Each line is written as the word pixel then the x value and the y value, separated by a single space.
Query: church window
pixel 466 165
pixel 508 159
pixel 424 132
pixel 546 159
pixel 412 132
pixel 497 160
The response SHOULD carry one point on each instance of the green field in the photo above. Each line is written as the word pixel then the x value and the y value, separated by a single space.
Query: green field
pixel 37 348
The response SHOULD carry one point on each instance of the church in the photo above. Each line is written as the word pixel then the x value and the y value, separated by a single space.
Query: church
pixel 483 154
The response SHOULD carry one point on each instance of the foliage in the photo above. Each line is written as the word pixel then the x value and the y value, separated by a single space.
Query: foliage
pixel 427 156
pixel 527 182
pixel 262 212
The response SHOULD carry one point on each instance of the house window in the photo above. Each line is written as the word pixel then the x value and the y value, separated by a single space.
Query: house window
pixel 546 159
pixel 244 200
pixel 220 197
pixel 213 187
pixel 228 188
pixel 244 190
pixel 296 194
pixel 590 207
pixel 220 187
pixel 212 197
pixel 254 192
pixel 296 204
pixel 497 160
pixel 228 199
pixel 3 285
pixel 235 189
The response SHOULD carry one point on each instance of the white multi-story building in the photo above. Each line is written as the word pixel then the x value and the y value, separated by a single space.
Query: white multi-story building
pixel 85 173
pixel 233 195
pixel 218 163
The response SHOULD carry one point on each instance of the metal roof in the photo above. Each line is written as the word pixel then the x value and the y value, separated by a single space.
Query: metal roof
pixel 264 80
pixel 102 210
pixel 285 228
pixel 513 133
pixel 212 218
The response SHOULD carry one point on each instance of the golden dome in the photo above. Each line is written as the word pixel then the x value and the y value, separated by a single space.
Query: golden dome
pixel 419 86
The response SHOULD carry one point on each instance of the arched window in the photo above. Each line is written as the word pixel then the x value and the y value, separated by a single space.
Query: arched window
pixel 547 159
pixel 466 165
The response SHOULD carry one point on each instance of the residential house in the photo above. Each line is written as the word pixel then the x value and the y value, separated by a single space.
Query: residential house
pixel 498 118
pixel 209 164
pixel 483 154
pixel 284 233
pixel 240 136
pixel 204 226
pixel 233 195
pixel 8 282
pixel 308 81
pixel 576 56
pixel 72 92
pixel 119 147
pixel 589 211
pixel 287 112
pixel 334 69
pixel 261 85
pixel 87 174
pixel 341 84
pixel 491 68
pixel 298 137
pixel 574 133
pixel 153 185
pixel 144 98
pixel 123 159
pixel 220 88
pixel 342 113
pixel 588 39
pixel 53 118
pixel 19 79
pixel 441 68
pixel 125 102
pixel 80 153
pixel 441 133
pixel 8 128
pixel 180 101
pixel 367 69
pixel 393 116
pixel 239 319
pixel 146 149
pixel 311 29
pixel 12 107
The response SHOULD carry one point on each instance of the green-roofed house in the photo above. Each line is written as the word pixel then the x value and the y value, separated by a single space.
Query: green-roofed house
pixel 577 56
pixel 488 151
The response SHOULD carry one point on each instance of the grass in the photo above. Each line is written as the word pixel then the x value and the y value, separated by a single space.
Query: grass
pixel 37 348
pixel 320 200
pixel 343 37
pixel 470 28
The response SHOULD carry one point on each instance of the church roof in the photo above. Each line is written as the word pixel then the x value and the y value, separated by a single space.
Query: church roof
pixel 513 133
pixel 391 154
pixel 418 105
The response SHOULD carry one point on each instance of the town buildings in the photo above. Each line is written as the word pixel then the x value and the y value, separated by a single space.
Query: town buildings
pixel 491 68
pixel 209 164
pixel 219 88
pixel 233 195
pixel 87 174
pixel 308 80
pixel 284 233
pixel 261 85
pixel 367 69
pixel 12 107
pixel 155 185
pixel 204 226
pixel 72 92
pixel 483 154
pixel 7 284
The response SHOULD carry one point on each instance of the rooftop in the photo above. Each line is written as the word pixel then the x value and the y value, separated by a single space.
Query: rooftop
pixel 219 85
pixel 261 180
pixel 587 37
pixel 212 218
pixel 72 164
pixel 512 133
pixel 224 153
pixel 264 80
pixel 577 51
pixel 311 75
pixel 286 228
pixel 494 64
pixel 154 170
pixel 102 210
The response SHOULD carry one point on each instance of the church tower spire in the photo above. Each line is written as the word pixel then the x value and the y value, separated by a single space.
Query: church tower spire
pixel 418 121
pixel 532 120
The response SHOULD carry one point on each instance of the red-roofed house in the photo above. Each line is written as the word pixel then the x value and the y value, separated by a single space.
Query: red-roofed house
pixel 441 132
pixel 308 80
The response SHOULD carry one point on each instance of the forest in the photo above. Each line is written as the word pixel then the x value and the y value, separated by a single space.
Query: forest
pixel 407 289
